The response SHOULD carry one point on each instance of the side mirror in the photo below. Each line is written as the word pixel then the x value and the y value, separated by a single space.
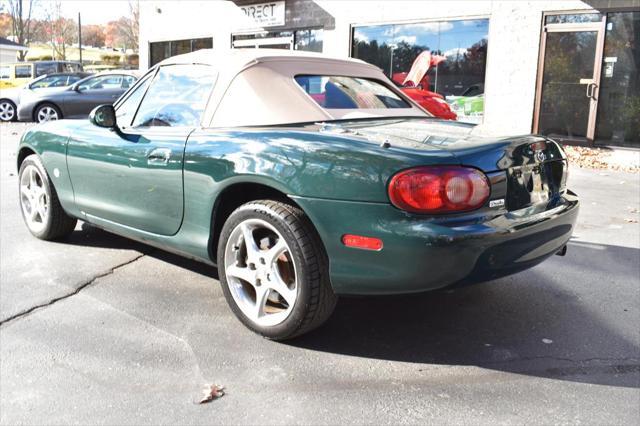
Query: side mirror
pixel 103 116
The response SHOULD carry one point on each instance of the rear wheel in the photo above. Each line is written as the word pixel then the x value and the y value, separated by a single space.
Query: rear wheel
pixel 47 112
pixel 39 204
pixel 7 110
pixel 273 270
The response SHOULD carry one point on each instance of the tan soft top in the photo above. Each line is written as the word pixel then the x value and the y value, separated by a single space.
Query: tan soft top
pixel 256 87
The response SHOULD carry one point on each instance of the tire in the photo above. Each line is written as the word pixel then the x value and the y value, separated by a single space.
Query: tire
pixel 39 204
pixel 8 110
pixel 305 301
pixel 47 112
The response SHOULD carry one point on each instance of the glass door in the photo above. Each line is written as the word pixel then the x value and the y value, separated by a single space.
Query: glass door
pixel 619 103
pixel 569 75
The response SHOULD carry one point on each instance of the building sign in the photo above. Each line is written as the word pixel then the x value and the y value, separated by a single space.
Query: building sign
pixel 265 14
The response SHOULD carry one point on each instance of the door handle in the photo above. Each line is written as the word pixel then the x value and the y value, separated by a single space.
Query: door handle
pixel 159 156
pixel 591 90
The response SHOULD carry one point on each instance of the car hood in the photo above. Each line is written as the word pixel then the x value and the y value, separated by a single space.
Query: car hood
pixel 28 95
pixel 12 93
pixel 460 140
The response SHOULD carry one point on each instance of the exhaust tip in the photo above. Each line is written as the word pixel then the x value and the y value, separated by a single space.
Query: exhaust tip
pixel 562 251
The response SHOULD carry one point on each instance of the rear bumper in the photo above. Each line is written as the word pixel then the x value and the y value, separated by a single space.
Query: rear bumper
pixel 421 254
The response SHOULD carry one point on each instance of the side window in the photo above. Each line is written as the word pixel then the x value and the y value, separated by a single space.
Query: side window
pixel 102 82
pixel 50 81
pixel 177 96
pixel 5 72
pixel 128 81
pixel 45 68
pixel 73 79
pixel 23 71
pixel 127 109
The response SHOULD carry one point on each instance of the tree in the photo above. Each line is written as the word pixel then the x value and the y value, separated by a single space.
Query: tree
pixel 21 23
pixel 93 35
pixel 62 31
pixel 124 32
pixel 5 25
pixel 129 27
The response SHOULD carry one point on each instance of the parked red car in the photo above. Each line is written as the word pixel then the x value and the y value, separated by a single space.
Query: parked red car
pixel 414 82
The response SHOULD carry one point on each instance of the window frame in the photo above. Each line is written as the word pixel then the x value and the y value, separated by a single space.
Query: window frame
pixel 153 74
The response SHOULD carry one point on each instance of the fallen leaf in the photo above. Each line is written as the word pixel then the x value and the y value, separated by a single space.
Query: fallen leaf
pixel 211 392
pixel 596 158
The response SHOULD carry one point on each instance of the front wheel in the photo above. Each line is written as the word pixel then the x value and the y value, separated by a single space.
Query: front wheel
pixel 41 210
pixel 47 112
pixel 274 271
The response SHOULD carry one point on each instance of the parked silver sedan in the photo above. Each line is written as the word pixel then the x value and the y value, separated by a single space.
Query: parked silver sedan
pixel 77 100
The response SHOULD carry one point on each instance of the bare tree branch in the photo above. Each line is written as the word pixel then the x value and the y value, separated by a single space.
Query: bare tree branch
pixel 21 24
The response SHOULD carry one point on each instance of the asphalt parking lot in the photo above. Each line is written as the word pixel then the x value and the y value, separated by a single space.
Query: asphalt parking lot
pixel 101 330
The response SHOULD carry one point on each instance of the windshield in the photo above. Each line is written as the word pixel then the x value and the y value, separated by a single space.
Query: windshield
pixel 340 92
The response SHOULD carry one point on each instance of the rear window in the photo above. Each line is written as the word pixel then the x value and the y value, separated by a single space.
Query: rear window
pixel 340 92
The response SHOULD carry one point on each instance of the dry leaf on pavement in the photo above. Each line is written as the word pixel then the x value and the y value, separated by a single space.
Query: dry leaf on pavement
pixel 211 392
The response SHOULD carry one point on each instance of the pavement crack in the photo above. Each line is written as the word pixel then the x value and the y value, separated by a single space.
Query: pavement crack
pixel 72 293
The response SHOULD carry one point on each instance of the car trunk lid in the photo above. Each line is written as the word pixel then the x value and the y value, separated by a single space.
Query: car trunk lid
pixel 535 168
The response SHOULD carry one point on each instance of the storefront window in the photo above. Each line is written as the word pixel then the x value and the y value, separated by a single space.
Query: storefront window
pixel 458 51
pixel 619 104
pixel 577 18
pixel 165 49
pixel 309 40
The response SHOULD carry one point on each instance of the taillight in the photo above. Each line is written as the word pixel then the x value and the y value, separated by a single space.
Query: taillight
pixel 439 189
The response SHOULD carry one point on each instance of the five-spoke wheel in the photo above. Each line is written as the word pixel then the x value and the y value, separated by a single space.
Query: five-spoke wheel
pixel 33 198
pixel 273 269
pixel 44 216
pixel 260 272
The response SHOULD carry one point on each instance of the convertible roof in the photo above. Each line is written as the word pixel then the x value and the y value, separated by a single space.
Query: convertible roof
pixel 240 58
pixel 256 87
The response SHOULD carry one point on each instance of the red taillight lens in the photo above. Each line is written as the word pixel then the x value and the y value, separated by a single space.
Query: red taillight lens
pixel 441 189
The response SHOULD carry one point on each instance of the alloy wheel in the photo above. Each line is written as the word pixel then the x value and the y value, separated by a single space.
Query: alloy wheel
pixel 47 113
pixel 7 111
pixel 34 199
pixel 260 272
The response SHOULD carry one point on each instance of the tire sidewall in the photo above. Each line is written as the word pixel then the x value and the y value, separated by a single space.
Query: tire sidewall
pixel 298 313
pixel 33 160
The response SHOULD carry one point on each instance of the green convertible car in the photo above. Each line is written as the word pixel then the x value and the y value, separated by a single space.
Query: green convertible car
pixel 301 178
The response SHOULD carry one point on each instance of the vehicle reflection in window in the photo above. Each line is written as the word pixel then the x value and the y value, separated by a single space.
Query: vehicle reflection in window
pixel 176 97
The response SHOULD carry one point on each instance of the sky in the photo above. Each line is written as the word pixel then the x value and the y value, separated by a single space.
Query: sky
pixel 92 11
pixel 447 36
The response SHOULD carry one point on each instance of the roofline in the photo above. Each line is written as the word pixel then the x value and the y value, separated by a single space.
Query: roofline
pixel 13 47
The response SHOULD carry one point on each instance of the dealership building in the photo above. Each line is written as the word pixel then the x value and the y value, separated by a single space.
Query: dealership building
pixel 567 69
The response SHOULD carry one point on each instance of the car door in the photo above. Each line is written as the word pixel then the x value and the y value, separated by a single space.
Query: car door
pixel 132 176
pixel 91 92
